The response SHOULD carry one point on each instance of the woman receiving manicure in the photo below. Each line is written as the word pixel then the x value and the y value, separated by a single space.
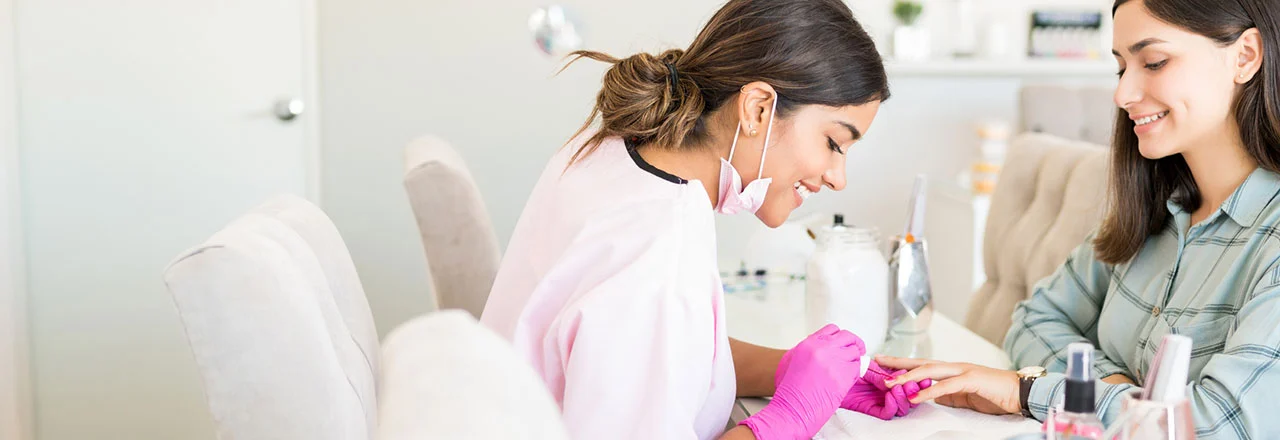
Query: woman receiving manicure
pixel 1190 243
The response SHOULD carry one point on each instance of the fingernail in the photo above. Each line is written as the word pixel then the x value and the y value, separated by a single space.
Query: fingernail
pixel 913 397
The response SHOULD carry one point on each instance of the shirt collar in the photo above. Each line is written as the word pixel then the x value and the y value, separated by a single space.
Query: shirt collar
pixel 1247 202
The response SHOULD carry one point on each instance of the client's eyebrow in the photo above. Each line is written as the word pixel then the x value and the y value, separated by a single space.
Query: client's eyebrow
pixel 1137 47
pixel 853 131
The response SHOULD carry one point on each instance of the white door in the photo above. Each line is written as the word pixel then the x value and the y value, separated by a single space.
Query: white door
pixel 144 126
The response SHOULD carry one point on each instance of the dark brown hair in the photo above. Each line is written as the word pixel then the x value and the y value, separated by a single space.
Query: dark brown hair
pixel 810 51
pixel 1139 186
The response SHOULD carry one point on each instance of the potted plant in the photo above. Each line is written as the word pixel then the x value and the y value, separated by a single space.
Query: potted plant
pixel 910 42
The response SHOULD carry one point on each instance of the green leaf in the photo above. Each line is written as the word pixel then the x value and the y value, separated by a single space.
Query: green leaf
pixel 907 11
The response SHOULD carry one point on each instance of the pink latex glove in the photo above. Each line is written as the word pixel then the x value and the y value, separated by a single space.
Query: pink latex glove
pixel 869 394
pixel 821 369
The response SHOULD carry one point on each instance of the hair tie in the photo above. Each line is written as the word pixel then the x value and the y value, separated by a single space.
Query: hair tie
pixel 674 78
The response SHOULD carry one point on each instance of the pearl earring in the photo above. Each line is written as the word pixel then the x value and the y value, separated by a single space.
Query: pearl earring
pixel 752 133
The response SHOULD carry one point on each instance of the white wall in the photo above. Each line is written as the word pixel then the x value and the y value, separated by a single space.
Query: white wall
pixel 468 71
pixel 15 378
pixel 393 70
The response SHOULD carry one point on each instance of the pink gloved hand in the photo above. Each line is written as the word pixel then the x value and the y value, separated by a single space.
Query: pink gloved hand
pixel 818 374
pixel 871 396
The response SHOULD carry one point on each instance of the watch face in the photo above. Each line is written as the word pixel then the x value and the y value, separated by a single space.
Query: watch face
pixel 1032 371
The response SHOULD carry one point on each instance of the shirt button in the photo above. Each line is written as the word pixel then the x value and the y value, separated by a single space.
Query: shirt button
pixel 1155 311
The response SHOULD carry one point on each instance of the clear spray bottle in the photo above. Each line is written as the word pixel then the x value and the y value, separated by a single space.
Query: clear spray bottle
pixel 1077 419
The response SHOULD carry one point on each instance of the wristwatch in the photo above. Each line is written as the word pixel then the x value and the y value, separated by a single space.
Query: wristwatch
pixel 1026 377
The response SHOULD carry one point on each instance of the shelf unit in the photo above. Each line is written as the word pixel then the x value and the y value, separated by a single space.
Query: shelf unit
pixel 1002 68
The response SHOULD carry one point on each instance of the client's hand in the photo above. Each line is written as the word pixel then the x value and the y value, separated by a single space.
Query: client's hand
pixel 1117 379
pixel 959 385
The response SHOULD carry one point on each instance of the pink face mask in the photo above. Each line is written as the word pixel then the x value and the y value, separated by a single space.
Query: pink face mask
pixel 733 198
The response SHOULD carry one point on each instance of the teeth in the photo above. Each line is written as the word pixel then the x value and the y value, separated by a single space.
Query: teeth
pixel 804 192
pixel 1150 119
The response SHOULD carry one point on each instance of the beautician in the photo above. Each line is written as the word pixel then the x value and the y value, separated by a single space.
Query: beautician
pixel 610 286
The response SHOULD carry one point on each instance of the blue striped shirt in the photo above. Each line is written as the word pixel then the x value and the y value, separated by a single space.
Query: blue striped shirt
pixel 1217 282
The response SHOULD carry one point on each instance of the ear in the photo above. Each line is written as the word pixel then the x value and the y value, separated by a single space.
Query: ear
pixel 754 104
pixel 1249 55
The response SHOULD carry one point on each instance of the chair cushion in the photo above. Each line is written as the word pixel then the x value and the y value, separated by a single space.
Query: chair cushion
pixel 1048 199
pixel 447 377
pixel 353 319
pixel 271 364
pixel 457 234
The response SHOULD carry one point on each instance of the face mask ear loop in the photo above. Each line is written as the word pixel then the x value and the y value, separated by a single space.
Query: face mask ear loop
pixel 734 146
pixel 767 133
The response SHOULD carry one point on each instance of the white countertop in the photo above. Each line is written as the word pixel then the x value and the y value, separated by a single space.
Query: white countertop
pixel 774 317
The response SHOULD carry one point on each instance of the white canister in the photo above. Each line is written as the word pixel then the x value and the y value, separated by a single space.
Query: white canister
pixel 911 43
pixel 846 283
pixel 997 46
pixel 966 28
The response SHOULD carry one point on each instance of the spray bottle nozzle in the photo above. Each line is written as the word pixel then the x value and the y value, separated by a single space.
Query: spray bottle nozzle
pixel 1079 385
pixel 1080 362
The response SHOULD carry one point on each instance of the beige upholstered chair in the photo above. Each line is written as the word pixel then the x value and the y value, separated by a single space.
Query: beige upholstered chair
pixel 462 250
pixel 445 376
pixel 286 346
pixel 1049 198
pixel 1076 113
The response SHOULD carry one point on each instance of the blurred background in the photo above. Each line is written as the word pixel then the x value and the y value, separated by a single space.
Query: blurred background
pixel 130 130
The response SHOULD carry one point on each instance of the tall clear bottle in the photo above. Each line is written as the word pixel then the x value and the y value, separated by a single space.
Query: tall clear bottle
pixel 845 281
pixel 910 291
